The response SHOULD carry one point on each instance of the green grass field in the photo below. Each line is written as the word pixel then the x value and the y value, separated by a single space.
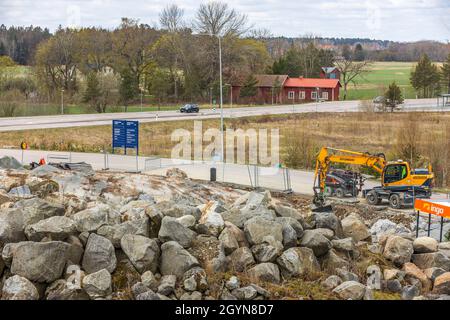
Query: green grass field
pixel 382 74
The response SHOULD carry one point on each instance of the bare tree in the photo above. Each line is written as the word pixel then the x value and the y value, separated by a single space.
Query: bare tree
pixel 260 34
pixel 216 18
pixel 171 18
pixel 350 70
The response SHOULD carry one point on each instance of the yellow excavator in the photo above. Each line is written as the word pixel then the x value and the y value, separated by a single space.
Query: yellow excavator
pixel 400 184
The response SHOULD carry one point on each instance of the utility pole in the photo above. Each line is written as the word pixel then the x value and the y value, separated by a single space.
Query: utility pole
pixel 62 101
pixel 221 100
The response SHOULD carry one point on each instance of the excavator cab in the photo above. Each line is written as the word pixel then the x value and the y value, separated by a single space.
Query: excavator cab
pixel 395 173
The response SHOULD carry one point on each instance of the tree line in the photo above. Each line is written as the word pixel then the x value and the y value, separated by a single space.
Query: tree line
pixel 19 43
pixel 178 61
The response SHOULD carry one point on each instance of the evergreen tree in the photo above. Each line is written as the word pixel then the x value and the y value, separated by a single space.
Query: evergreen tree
pixel 393 96
pixel 249 88
pixel 425 78
pixel 359 54
pixel 445 74
pixel 127 90
pixel 2 49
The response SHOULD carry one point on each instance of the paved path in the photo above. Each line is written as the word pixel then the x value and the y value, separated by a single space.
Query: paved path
pixel 301 181
pixel 82 120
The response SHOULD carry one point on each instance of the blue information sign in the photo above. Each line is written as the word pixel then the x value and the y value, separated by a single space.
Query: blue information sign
pixel 125 134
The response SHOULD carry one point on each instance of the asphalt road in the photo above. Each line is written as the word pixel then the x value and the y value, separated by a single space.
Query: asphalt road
pixel 83 120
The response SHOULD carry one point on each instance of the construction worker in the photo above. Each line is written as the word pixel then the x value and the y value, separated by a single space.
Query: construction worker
pixel 404 173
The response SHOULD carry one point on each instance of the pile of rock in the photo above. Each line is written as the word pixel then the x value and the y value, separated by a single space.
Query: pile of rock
pixel 89 236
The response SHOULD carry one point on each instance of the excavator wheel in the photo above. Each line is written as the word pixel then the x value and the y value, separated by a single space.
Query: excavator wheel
pixel 372 198
pixel 394 201
pixel 339 192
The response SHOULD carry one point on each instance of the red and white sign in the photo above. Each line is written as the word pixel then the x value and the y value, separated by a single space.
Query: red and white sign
pixel 439 208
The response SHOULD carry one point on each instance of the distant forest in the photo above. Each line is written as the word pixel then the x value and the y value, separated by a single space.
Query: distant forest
pixel 20 44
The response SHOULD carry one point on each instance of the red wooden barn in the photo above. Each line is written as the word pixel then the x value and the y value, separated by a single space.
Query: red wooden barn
pixel 298 90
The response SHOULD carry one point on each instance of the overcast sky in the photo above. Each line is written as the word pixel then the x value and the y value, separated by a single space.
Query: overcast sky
pixel 400 20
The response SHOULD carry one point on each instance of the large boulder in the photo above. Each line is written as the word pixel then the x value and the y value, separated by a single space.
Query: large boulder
pixel 331 282
pixel 399 250
pixel 353 227
pixel 39 261
pixel 98 284
pixel 5 198
pixel 211 219
pixel 115 232
pixel 296 262
pixel 195 280
pixel 239 217
pixel 292 231
pixel 242 259
pixel 285 211
pixel 142 252
pixel 228 241
pixel 11 226
pixel 92 219
pixel 346 246
pixel 265 272
pixel 318 243
pixel 425 245
pixel 412 271
pixel 65 290
pixel 444 247
pixel 36 209
pixel 172 230
pixel 330 221
pixel 99 254
pixel 257 228
pixel 387 227
pixel 176 210
pixel 430 260
pixel 7 162
pixel 442 284
pixel 332 261
pixel 19 288
pixel 268 250
pixel 55 228
pixel 253 200
pixel 20 192
pixel 175 260
pixel 350 290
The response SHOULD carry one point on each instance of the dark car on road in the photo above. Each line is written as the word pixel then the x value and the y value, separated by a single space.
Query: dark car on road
pixel 188 108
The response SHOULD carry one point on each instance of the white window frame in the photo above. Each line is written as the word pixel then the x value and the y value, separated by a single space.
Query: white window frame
pixel 325 95
pixel 314 95
pixel 302 95
pixel 291 95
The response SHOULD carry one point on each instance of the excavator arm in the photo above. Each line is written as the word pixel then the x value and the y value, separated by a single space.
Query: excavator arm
pixel 324 158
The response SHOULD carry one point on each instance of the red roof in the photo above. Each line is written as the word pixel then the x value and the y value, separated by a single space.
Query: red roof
pixel 312 83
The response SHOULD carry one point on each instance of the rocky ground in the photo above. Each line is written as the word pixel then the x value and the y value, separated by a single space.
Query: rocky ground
pixel 80 234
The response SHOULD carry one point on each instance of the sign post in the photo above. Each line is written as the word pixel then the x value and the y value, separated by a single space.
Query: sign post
pixel 125 134
pixel 23 146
